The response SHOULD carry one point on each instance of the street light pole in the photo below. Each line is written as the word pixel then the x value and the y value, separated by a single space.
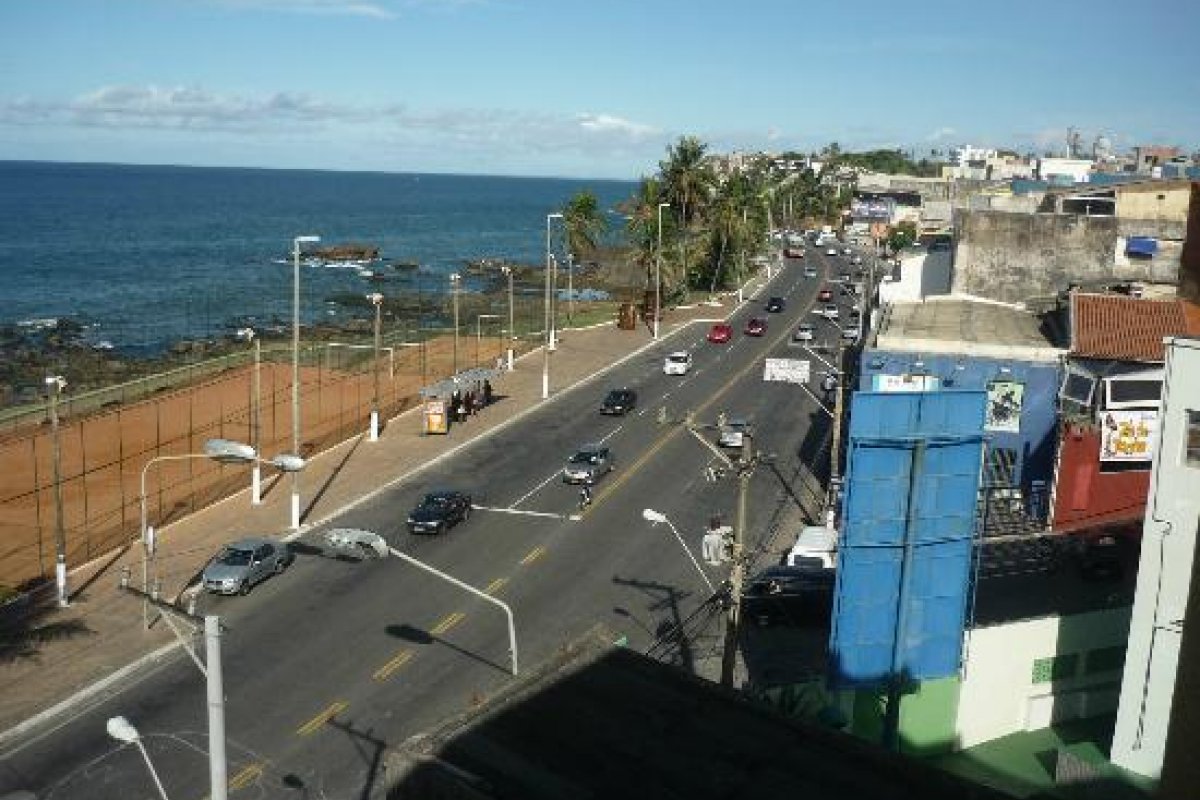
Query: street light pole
pixel 376 300
pixel 123 731
pixel 570 289
pixel 738 572
pixel 256 418
pixel 299 240
pixel 455 280
pixel 512 332
pixel 547 335
pixel 658 270
pixel 653 517
pixel 55 384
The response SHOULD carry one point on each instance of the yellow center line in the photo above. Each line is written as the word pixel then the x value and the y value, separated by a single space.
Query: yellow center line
pixel 448 623
pixel 242 779
pixel 495 585
pixel 397 661
pixel 534 555
pixel 314 724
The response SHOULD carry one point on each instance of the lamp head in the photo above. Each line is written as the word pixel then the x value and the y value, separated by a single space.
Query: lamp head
pixel 227 451
pixel 652 516
pixel 122 730
pixel 376 298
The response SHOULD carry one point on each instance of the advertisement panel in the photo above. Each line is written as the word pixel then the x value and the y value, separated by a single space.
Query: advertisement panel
pixel 1128 435
pixel 1002 414
pixel 787 370
pixel 871 209
pixel 904 383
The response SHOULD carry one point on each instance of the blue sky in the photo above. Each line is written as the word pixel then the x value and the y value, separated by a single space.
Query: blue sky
pixel 580 89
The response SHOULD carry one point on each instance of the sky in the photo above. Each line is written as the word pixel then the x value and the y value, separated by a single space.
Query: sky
pixel 570 88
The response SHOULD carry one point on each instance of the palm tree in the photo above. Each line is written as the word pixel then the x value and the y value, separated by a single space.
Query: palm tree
pixel 642 225
pixel 584 223
pixel 687 182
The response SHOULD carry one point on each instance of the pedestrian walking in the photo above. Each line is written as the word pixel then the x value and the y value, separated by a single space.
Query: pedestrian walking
pixel 469 402
pixel 487 392
pixel 456 406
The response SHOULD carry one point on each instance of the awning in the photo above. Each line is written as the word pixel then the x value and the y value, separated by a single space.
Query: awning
pixel 1141 246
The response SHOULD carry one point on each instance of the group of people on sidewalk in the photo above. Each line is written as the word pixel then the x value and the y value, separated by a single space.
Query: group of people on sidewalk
pixel 471 402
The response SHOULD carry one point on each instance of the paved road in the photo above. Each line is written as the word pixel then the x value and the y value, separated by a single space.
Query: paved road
pixel 338 658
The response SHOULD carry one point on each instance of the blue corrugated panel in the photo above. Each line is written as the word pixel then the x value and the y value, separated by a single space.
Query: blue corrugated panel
pixel 908 526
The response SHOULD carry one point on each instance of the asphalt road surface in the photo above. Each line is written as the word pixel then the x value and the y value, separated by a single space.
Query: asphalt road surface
pixel 331 662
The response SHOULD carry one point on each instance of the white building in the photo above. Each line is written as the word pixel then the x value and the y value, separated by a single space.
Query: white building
pixel 1064 170
pixel 1164 573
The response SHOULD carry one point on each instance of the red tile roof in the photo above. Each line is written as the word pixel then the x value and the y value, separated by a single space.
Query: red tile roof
pixel 1123 328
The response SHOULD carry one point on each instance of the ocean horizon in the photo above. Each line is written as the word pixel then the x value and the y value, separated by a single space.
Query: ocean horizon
pixel 146 255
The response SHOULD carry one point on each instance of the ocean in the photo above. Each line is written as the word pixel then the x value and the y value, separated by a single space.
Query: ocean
pixel 144 256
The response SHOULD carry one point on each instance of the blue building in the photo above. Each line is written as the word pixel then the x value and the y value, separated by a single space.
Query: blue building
pixel 953 344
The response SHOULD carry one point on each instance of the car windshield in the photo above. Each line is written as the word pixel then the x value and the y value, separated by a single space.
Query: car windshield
pixel 436 500
pixel 585 457
pixel 232 557
pixel 678 358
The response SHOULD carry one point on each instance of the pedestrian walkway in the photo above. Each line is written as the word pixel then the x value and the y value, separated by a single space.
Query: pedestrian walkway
pixel 62 657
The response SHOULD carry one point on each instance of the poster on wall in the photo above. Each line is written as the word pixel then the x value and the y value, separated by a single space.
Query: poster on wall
pixel 1002 414
pixel 1128 435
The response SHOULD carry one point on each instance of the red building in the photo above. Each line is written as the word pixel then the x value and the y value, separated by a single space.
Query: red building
pixel 1109 407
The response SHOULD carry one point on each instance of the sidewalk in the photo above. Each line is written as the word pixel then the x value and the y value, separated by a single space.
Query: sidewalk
pixel 75 653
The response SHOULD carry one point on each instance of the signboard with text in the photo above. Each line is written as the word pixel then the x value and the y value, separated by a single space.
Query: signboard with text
pixel 1128 435
pixel 786 370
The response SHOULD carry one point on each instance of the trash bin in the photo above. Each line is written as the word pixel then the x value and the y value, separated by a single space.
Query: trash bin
pixel 435 417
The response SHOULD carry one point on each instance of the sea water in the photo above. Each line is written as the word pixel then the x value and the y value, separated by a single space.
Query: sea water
pixel 144 256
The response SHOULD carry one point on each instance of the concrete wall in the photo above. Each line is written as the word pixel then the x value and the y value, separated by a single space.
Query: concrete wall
pixel 1164 574
pixel 1012 256
pixel 1189 260
pixel 1143 202
pixel 1002 693
pixel 921 274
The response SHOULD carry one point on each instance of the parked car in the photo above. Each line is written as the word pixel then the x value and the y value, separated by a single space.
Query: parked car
pixel 588 464
pixel 239 565
pixel 810 272
pixel 825 295
pixel 619 402
pixel 784 595
pixel 733 432
pixel 846 251
pixel 829 311
pixel 775 305
pixel 804 332
pixel 815 548
pixel 793 252
pixel 845 278
pixel 720 333
pixel 756 326
pixel 439 511
pixel 850 335
pixel 678 363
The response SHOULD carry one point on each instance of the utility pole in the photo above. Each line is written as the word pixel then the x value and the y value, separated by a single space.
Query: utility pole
pixel 835 448
pixel 737 573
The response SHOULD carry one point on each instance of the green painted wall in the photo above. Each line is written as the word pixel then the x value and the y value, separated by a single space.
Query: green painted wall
pixel 928 717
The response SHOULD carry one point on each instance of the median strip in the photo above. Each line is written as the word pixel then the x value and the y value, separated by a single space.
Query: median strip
pixel 448 623
pixel 314 724
pixel 397 661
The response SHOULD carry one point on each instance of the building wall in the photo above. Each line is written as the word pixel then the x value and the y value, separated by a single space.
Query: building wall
pixel 1085 497
pixel 1024 675
pixel 1142 202
pixel 1189 259
pixel 922 274
pixel 1013 256
pixel 1164 574
pixel 1033 444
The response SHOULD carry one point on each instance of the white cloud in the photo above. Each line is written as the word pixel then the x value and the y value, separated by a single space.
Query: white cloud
pixel 353 8
pixel 606 123
pixel 941 133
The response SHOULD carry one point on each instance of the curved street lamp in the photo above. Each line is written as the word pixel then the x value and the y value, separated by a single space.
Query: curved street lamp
pixel 299 240
pixel 376 300
pixel 655 517
pixel 122 730
pixel 54 385
pixel 548 330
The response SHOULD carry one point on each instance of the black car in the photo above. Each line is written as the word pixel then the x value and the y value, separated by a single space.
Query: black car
pixel 775 305
pixel 789 596
pixel 619 401
pixel 439 511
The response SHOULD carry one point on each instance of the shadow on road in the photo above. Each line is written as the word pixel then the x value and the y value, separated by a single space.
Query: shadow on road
pixel 415 635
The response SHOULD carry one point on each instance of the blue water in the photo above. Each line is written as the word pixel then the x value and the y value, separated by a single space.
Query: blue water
pixel 147 255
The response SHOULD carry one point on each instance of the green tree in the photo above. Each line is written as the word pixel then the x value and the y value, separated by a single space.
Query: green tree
pixel 584 223
pixel 642 230
pixel 902 235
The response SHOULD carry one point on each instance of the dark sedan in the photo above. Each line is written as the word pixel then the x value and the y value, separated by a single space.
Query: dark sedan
pixel 775 305
pixel 439 511
pixel 619 402
pixel 789 596
pixel 757 326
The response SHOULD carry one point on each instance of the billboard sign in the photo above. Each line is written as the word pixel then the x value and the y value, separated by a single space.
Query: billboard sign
pixel 905 383
pixel 871 209
pixel 787 370
pixel 1128 435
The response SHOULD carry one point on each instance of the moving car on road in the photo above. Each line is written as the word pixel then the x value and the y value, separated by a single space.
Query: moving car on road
pixel 588 464
pixel 720 333
pixel 241 564
pixel 756 326
pixel 775 305
pixel 810 272
pixel 794 252
pixel 678 363
pixel 439 511
pixel 804 333
pixel 825 295
pixel 619 402
pixel 829 311
pixel 832 251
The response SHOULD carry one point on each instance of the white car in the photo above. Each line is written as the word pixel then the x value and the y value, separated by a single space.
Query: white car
pixel 846 251
pixel 829 311
pixel 804 333
pixel 679 363
pixel 815 548
pixel 831 251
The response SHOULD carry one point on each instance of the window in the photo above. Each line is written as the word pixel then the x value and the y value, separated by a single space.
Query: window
pixel 1137 390
pixel 1055 668
pixel 1000 467
pixel 1191 438
pixel 1077 388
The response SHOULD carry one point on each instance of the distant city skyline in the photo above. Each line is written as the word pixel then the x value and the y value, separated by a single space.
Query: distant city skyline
pixel 531 87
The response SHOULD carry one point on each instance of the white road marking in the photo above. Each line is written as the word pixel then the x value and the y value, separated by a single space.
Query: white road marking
pixel 519 511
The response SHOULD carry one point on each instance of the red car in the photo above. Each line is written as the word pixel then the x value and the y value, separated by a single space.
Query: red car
pixel 757 326
pixel 720 333
pixel 825 295
pixel 793 252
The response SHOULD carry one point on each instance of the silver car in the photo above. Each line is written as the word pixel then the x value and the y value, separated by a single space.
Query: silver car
pixel 588 465
pixel 241 564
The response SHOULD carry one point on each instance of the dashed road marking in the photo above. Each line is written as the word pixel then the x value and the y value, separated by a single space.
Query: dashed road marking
pixel 328 713
pixel 534 555
pixel 495 585
pixel 248 773
pixel 447 623
pixel 397 661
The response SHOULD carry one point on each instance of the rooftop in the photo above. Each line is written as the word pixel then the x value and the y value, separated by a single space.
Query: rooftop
pixel 1123 328
pixel 955 324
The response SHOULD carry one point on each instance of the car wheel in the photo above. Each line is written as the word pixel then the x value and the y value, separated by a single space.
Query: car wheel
pixel 244 587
